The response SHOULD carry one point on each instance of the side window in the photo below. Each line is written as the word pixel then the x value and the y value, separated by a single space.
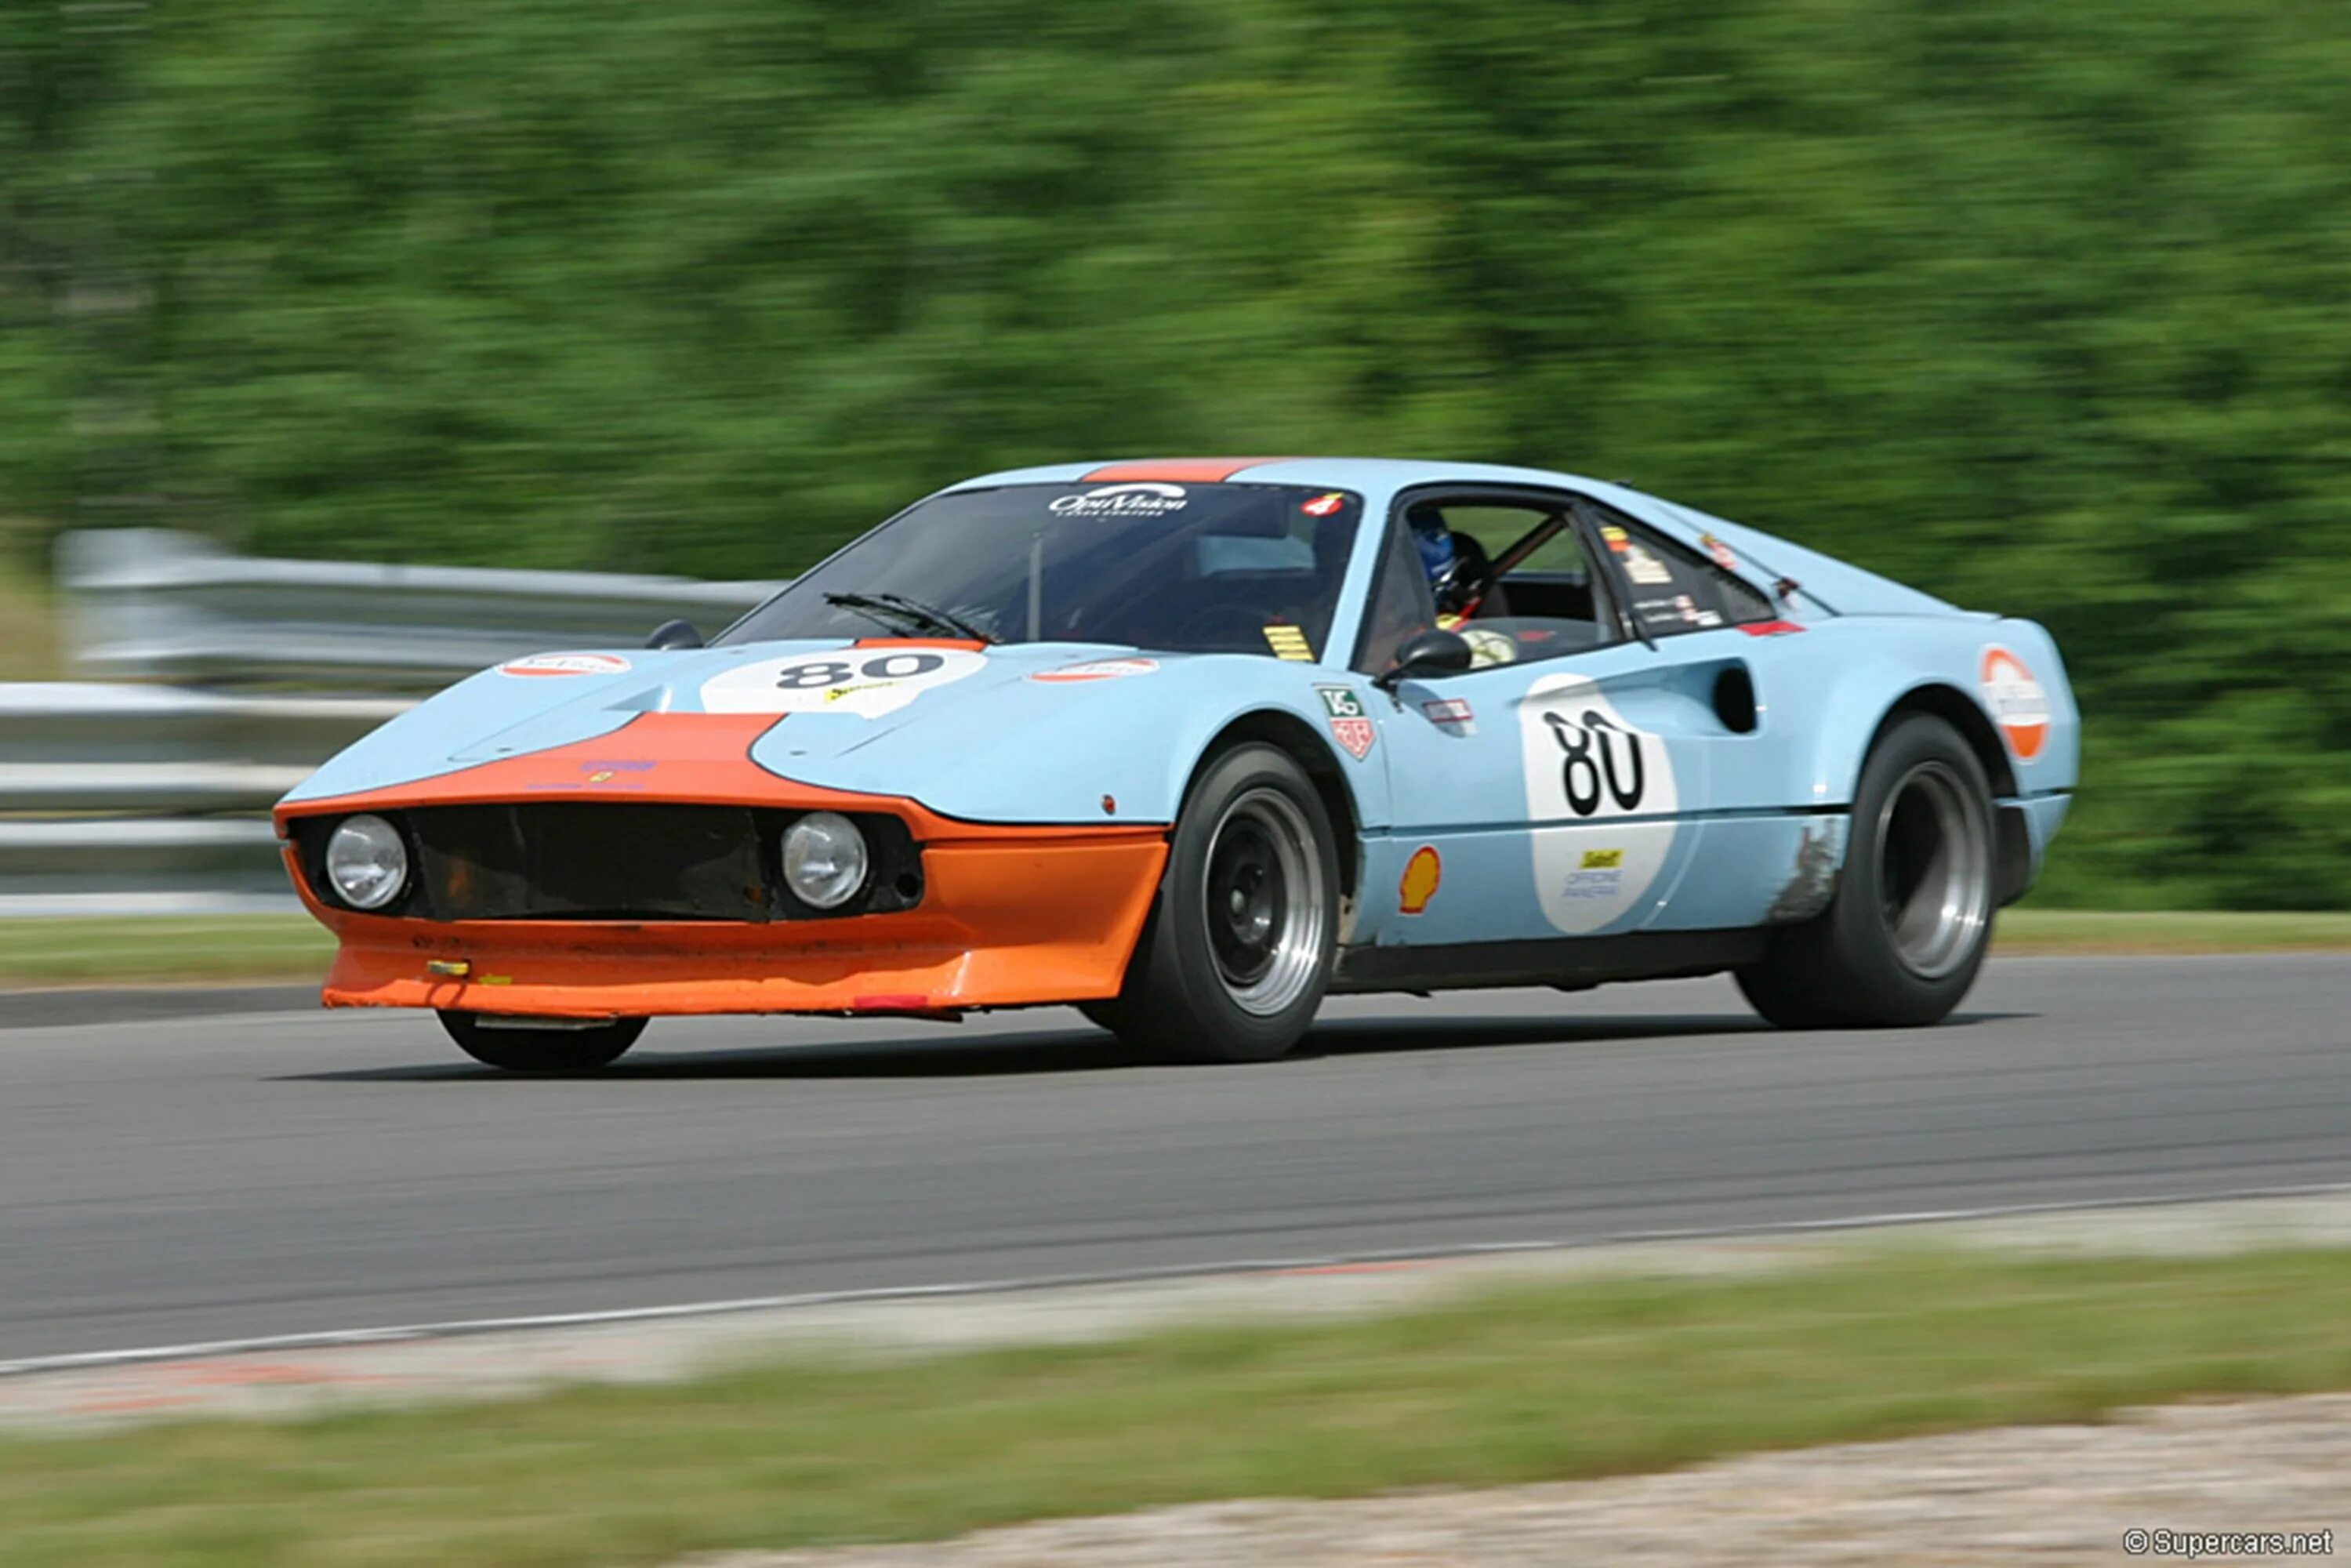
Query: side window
pixel 1523 587
pixel 1555 581
pixel 1741 602
pixel 1401 605
pixel 1490 528
pixel 1672 589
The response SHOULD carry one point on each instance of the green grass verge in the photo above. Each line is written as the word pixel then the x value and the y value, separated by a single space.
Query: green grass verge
pixel 158 950
pixel 1547 1383
pixel 2028 931
pixel 293 947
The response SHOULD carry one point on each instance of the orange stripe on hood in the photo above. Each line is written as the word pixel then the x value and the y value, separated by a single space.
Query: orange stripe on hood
pixel 1176 470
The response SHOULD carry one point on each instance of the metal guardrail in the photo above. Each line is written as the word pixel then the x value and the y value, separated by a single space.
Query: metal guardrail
pixel 152 604
pixel 120 798
pixel 71 748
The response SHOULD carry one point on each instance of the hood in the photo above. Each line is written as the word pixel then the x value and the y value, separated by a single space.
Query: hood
pixel 885 712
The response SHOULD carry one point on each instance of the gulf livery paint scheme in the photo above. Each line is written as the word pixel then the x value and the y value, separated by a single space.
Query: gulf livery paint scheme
pixel 1652 804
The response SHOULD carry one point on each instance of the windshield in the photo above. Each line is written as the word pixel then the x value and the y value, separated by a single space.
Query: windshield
pixel 1187 569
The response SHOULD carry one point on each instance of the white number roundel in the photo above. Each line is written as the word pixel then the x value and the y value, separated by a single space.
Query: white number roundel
pixel 1584 761
pixel 867 682
pixel 1587 769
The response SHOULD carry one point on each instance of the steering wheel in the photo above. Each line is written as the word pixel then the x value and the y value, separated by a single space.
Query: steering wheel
pixel 1466 582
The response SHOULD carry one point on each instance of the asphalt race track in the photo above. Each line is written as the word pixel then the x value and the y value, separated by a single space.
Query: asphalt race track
pixel 165 1181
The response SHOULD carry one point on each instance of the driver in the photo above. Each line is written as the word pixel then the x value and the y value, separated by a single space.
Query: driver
pixel 1439 555
pixel 1455 563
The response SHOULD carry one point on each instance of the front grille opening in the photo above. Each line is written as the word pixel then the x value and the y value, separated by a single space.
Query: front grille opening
pixel 618 860
pixel 587 862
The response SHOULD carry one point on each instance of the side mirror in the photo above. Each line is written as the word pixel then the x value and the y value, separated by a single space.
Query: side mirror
pixel 674 635
pixel 1426 656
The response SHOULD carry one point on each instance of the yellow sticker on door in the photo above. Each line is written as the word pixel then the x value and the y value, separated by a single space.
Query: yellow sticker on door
pixel 1421 876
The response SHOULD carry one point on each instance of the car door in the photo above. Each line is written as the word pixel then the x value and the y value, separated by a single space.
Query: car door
pixel 1544 792
pixel 1759 854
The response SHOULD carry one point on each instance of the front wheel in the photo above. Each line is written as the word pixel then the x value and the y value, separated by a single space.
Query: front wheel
pixel 1906 930
pixel 530 1048
pixel 1233 959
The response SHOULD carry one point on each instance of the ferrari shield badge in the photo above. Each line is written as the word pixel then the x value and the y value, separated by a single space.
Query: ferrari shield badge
pixel 1350 726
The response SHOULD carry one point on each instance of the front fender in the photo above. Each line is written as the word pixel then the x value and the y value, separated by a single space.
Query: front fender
pixel 1119 750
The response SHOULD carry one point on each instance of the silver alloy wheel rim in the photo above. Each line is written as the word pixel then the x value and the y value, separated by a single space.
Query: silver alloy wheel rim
pixel 1262 901
pixel 1934 871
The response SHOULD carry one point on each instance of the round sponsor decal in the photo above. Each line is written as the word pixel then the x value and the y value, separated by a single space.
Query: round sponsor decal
pixel 867 682
pixel 1095 670
pixel 1489 648
pixel 2018 704
pixel 1587 768
pixel 567 664
pixel 1144 499
pixel 1324 506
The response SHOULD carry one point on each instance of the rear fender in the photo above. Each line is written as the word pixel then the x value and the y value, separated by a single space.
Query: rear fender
pixel 1862 675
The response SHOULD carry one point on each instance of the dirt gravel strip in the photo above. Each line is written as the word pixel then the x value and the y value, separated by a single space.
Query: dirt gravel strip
pixel 2051 1495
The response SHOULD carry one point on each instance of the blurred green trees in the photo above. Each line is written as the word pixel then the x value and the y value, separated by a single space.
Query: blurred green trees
pixel 2042 308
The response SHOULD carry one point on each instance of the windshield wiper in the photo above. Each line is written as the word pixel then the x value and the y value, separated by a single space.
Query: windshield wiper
pixel 913 611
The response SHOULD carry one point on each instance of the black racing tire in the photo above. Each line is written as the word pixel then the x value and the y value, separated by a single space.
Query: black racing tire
pixel 1902 939
pixel 1237 950
pixel 1104 1014
pixel 527 1049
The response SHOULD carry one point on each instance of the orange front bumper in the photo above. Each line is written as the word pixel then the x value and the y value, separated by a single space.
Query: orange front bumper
pixel 1032 919
pixel 1010 915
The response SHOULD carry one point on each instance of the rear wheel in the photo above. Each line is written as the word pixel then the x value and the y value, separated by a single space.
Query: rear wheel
pixel 1903 939
pixel 1233 959
pixel 542 1047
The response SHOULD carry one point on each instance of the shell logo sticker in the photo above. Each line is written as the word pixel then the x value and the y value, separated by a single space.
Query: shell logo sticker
pixel 2018 704
pixel 1421 876
pixel 1601 795
pixel 867 682
pixel 567 664
pixel 1095 670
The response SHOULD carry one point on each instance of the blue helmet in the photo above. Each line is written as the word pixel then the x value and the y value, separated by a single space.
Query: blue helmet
pixel 1433 539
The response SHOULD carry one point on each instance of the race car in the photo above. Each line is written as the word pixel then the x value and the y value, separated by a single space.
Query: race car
pixel 1193 744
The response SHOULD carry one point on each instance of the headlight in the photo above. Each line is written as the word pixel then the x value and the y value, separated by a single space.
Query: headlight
pixel 824 860
pixel 367 864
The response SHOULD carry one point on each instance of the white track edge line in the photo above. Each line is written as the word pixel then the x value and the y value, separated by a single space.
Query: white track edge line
pixel 333 1338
